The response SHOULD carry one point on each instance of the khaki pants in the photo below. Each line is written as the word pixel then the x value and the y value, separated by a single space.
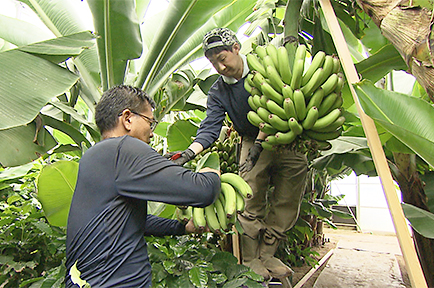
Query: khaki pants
pixel 273 213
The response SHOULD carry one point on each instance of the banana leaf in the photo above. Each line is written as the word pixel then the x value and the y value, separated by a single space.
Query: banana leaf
pixel 24 33
pixel 27 84
pixel 180 134
pixel 118 27
pixel 381 63
pixel 64 18
pixel 408 119
pixel 232 17
pixel 17 144
pixel 421 220
pixel 56 184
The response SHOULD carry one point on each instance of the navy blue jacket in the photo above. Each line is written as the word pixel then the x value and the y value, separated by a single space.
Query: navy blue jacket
pixel 108 216
pixel 229 98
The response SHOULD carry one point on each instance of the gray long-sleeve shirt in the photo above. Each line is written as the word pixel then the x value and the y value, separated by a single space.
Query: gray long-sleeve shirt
pixel 108 216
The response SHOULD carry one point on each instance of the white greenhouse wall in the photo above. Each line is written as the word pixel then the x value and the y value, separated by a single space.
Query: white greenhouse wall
pixel 366 194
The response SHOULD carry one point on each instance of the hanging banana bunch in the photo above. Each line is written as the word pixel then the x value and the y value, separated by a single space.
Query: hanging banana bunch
pixel 222 214
pixel 227 151
pixel 298 104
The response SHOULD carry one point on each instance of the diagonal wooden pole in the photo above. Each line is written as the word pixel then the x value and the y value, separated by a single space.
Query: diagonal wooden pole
pixel 413 267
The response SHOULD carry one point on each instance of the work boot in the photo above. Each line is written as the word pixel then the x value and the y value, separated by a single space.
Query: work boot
pixel 275 267
pixel 250 256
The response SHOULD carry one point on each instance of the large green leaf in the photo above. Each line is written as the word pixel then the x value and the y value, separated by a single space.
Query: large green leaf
pixel 55 185
pixel 182 19
pixel 27 84
pixel 409 119
pixel 59 49
pixel 118 27
pixel 180 134
pixel 233 16
pixel 23 33
pixel 421 220
pixel 17 146
pixel 382 62
pixel 65 18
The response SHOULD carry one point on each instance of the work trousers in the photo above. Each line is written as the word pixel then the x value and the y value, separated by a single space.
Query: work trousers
pixel 273 211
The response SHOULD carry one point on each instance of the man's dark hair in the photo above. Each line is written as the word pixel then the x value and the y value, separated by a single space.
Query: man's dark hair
pixel 117 99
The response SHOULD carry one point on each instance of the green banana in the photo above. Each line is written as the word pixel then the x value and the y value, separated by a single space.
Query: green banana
pixel 268 61
pixel 267 146
pixel 240 203
pixel 254 64
pixel 287 92
pixel 271 93
pixel 199 220
pixel 221 215
pixel 238 183
pixel 284 69
pixel 272 52
pixel 230 198
pixel 252 103
pixel 323 145
pixel 211 218
pixel 271 140
pixel 257 101
pixel 330 84
pixel 340 84
pixel 249 79
pixel 260 50
pixel 275 79
pixel 311 117
pixel 247 86
pixel 285 138
pixel 316 98
pixel 263 114
pixel 267 128
pixel 183 215
pixel 335 125
pixel 263 100
pixel 326 120
pixel 275 108
pixel 328 67
pixel 326 104
pixel 295 126
pixel 254 118
pixel 297 73
pixel 338 103
pixel 316 63
pixel 278 123
pixel 300 52
pixel 324 136
pixel 336 64
pixel 288 106
pixel 255 91
pixel 258 79
pixel 299 104
pixel 313 83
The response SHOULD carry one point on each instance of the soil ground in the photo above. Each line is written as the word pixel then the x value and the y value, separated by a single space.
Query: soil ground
pixel 357 260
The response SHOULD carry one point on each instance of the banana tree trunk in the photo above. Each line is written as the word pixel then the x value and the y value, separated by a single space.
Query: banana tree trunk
pixel 408 28
pixel 405 174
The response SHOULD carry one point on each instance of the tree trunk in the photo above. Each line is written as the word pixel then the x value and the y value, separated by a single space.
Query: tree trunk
pixel 405 174
pixel 408 28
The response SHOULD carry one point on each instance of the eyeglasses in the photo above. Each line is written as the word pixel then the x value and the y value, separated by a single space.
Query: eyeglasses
pixel 152 122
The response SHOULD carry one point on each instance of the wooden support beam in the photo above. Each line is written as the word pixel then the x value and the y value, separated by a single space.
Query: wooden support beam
pixel 413 267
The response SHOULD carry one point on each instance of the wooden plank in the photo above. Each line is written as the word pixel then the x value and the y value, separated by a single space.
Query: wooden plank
pixel 314 269
pixel 413 267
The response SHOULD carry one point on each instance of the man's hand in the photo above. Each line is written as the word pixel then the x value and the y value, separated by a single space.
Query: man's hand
pixel 180 157
pixel 252 157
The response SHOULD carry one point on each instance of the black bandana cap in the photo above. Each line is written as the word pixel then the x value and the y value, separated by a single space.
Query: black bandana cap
pixel 227 38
